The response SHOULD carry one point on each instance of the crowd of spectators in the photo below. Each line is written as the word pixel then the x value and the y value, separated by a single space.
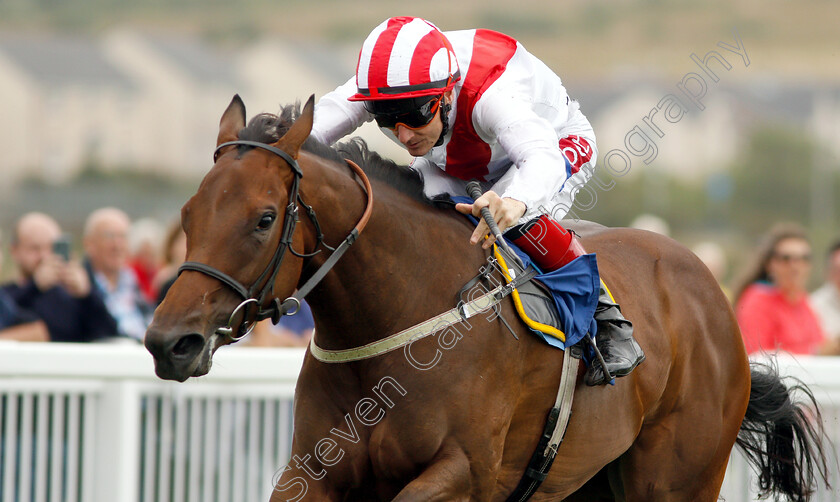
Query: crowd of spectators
pixel 104 286
pixel 53 288
pixel 771 299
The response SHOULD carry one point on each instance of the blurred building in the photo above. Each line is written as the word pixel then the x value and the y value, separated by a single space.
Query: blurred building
pixel 701 142
pixel 152 102
pixel 141 101
pixel 63 103
pixel 183 88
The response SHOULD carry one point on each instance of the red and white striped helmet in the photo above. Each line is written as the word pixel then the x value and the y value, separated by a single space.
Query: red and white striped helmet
pixel 405 57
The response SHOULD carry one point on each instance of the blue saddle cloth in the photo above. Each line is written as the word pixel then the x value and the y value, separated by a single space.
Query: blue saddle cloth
pixel 574 288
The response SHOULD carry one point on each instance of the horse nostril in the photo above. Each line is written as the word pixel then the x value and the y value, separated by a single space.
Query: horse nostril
pixel 189 345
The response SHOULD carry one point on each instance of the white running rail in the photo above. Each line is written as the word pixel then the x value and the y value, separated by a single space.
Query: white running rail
pixel 92 423
pixel 822 375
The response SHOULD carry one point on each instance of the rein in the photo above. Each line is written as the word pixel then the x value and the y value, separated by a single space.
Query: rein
pixel 253 307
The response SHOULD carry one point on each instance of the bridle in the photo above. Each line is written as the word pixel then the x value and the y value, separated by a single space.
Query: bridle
pixel 253 307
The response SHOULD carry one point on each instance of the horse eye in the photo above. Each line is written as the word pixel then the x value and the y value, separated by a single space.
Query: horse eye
pixel 265 222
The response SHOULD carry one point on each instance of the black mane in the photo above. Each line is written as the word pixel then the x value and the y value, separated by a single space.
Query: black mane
pixel 268 128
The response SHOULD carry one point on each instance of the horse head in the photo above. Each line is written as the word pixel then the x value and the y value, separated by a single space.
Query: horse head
pixel 240 247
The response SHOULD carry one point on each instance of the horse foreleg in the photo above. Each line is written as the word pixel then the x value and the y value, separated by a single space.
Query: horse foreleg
pixel 295 485
pixel 447 478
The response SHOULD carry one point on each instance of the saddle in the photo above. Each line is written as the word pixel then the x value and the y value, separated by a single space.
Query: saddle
pixel 557 306
pixel 537 308
pixel 552 305
pixel 534 303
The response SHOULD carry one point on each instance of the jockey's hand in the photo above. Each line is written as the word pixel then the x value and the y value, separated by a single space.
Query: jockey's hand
pixel 505 211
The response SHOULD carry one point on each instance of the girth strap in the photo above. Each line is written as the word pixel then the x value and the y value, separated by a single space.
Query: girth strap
pixel 555 429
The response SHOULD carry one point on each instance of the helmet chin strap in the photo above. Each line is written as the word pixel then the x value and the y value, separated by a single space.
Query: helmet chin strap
pixel 445 108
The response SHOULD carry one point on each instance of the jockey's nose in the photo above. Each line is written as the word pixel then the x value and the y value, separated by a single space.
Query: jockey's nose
pixel 404 134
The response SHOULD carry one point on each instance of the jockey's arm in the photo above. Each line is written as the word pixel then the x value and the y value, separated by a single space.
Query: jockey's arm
pixel 336 117
pixel 506 212
pixel 538 168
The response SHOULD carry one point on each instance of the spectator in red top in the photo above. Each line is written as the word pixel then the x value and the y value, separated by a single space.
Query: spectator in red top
pixel 771 302
pixel 144 241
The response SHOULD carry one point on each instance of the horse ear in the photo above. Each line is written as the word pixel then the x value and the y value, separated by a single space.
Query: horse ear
pixel 297 134
pixel 233 120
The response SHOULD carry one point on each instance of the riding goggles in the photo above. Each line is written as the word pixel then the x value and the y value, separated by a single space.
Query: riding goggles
pixel 413 113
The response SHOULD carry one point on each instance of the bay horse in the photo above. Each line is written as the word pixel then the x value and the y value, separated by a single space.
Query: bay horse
pixel 457 416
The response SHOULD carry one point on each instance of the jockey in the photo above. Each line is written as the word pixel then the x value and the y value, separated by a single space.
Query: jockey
pixel 475 104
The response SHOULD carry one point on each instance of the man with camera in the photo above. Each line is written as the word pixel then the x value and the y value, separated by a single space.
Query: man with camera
pixel 16 324
pixel 54 287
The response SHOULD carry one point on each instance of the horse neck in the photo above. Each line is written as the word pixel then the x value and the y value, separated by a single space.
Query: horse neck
pixel 392 277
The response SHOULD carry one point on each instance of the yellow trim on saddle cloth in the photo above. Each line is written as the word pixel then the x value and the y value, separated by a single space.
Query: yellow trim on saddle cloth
pixel 517 302
pixel 609 293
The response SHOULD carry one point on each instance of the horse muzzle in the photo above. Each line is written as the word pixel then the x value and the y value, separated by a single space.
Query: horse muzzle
pixel 179 357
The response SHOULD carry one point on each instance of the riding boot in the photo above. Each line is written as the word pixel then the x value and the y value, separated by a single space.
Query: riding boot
pixel 546 242
pixel 551 246
pixel 615 342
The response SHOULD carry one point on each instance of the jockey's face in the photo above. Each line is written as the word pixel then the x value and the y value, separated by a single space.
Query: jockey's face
pixel 419 141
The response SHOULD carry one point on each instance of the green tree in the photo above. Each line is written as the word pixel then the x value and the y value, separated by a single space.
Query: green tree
pixel 775 178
